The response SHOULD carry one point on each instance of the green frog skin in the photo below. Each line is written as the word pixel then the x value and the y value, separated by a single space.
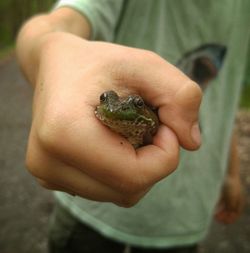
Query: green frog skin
pixel 128 116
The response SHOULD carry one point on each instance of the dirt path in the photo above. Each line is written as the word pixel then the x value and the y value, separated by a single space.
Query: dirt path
pixel 25 207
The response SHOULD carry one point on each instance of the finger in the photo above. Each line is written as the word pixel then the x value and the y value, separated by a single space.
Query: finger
pixel 160 159
pixel 182 116
pixel 167 88
pixel 54 187
pixel 55 175
pixel 113 160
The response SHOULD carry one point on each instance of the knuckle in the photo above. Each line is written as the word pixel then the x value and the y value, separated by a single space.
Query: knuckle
pixel 29 164
pixel 189 96
pixel 52 132
pixel 35 162
pixel 173 161
pixel 151 55
pixel 46 185
pixel 31 161
pixel 117 66
pixel 47 136
pixel 195 90
pixel 128 201
pixel 33 166
pixel 121 67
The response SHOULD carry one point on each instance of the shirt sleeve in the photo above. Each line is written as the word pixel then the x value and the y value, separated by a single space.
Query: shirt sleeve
pixel 103 15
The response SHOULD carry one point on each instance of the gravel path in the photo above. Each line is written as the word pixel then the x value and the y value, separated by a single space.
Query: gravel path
pixel 25 206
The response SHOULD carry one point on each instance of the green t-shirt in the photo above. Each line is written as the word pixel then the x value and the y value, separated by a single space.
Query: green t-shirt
pixel 207 40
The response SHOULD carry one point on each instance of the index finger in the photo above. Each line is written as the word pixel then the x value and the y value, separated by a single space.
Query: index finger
pixel 109 158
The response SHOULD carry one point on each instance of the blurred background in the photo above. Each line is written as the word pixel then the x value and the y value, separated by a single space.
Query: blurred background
pixel 13 13
pixel 24 206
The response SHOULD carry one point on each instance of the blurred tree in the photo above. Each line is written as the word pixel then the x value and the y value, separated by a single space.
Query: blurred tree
pixel 247 80
pixel 14 12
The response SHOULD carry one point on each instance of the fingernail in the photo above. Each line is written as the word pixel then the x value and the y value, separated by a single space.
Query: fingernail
pixel 196 134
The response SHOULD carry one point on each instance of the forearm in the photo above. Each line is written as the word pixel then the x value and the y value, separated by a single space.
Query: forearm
pixel 34 33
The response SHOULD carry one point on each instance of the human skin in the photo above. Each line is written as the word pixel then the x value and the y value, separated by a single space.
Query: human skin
pixel 232 199
pixel 69 149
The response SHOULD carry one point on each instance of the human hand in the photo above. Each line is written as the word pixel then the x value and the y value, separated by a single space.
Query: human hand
pixel 71 151
pixel 231 203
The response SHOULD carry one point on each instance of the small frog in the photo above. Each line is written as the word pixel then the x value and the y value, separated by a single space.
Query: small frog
pixel 128 116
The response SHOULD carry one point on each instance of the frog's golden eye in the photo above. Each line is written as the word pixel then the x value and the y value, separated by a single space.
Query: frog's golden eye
pixel 138 102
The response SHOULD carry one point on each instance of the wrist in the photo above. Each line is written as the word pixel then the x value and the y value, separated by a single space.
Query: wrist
pixel 32 37
pixel 29 43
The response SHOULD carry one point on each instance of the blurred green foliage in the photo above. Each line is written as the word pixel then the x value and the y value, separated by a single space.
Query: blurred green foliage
pixel 14 12
pixel 247 78
pixel 245 96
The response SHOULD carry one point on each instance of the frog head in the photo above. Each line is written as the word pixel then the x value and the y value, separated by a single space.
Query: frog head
pixel 128 116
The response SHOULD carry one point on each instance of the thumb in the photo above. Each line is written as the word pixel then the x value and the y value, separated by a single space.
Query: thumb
pixel 181 112
pixel 165 87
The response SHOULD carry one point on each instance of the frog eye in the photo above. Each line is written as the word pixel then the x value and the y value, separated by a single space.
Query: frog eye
pixel 108 95
pixel 103 97
pixel 138 102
